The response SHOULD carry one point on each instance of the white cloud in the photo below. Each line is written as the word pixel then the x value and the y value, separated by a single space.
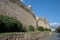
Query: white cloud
pixel 55 24
pixel 21 0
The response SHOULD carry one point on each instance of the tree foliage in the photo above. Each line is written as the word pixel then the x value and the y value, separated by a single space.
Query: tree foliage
pixel 46 29
pixel 31 28
pixel 9 24
pixel 40 28
pixel 58 29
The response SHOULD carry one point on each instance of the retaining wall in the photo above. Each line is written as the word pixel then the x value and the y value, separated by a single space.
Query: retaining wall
pixel 24 36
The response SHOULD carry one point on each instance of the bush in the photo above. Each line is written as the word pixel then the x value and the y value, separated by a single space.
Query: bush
pixel 46 29
pixel 10 24
pixel 40 28
pixel 58 29
pixel 24 29
pixel 31 28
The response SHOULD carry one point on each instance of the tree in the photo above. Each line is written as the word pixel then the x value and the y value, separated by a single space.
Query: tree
pixel 58 29
pixel 10 24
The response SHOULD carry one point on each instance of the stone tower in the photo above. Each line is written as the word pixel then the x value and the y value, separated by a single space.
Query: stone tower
pixel 47 25
pixel 41 23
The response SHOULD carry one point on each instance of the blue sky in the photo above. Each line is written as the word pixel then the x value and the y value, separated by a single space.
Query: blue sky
pixel 46 8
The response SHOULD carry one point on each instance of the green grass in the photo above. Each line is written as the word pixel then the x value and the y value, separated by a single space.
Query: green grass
pixel 10 33
pixel 15 33
pixel 7 33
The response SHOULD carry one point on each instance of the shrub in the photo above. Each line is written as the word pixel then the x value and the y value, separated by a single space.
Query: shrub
pixel 24 29
pixel 10 24
pixel 46 29
pixel 58 29
pixel 31 28
pixel 40 28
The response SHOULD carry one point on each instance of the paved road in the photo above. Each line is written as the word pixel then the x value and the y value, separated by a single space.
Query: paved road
pixel 53 37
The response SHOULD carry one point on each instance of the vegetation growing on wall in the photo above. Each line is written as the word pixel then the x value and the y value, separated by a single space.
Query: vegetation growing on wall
pixel 40 28
pixel 31 28
pixel 46 29
pixel 9 24
pixel 25 29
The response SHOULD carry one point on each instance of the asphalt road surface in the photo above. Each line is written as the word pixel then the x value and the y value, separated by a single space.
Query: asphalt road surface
pixel 55 36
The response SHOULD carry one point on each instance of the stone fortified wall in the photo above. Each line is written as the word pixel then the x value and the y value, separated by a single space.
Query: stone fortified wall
pixel 15 8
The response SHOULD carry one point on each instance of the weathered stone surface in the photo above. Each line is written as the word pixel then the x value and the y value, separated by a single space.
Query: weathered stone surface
pixel 25 36
pixel 43 22
pixel 16 8
pixel 47 25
